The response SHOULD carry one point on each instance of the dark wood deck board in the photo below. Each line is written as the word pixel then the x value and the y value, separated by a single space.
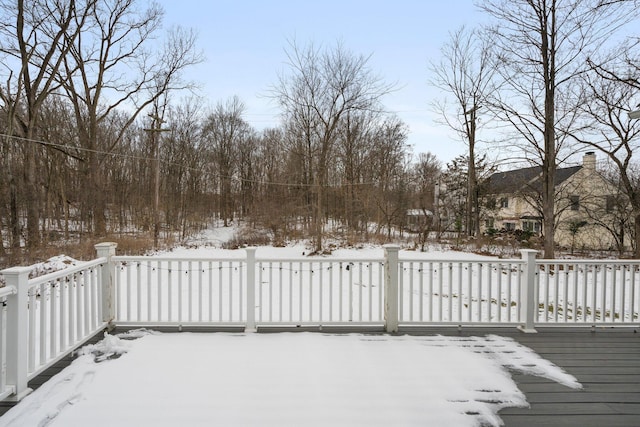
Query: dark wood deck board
pixel 605 361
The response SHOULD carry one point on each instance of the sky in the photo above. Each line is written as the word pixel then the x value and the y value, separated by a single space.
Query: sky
pixel 244 44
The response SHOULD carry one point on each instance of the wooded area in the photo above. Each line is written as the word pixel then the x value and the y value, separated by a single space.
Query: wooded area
pixel 95 141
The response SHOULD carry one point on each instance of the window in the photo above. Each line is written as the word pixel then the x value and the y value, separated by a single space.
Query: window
pixel 533 226
pixel 504 202
pixel 574 203
pixel 509 226
pixel 610 203
pixel 489 223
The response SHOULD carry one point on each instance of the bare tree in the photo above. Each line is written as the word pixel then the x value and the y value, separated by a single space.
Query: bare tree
pixel 542 46
pixel 225 130
pixel 426 173
pixel 610 130
pixel 321 89
pixel 109 67
pixel 31 39
pixel 465 72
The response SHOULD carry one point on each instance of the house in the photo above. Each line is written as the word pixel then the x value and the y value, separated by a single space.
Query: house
pixel 418 220
pixel 585 205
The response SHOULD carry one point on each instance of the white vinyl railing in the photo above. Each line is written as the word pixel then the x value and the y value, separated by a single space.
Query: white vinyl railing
pixel 5 389
pixel 331 291
pixel 44 318
pixel 163 290
pixel 589 292
pixel 460 292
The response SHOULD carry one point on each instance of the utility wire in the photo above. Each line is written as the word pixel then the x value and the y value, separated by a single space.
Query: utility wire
pixel 63 147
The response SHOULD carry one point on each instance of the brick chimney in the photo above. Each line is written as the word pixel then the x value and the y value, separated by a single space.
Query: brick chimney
pixel 589 161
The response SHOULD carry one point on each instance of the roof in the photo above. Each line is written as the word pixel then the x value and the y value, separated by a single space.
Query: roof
pixel 524 180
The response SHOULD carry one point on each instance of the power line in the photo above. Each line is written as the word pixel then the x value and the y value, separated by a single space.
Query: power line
pixel 64 147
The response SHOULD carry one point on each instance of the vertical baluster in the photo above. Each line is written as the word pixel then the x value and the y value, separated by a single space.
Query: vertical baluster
pixel 148 291
pixel 623 284
pixel 31 294
pixel 260 291
pixel 230 291
pixel 340 294
pixel 585 303
pixel 171 308
pixel 310 318
pixel 421 290
pixel 603 292
pixel 410 291
pixel 220 292
pixel 320 290
pixel 401 268
pixel 290 291
pixel 350 266
pixel 331 272
pixel 547 274
pixel 71 282
pixel 450 292
pixel 180 273
pixel 576 271
pixel 91 287
pixel 360 290
pixel 613 292
pixel 80 316
pixel 127 285
pixel 138 291
pixel 64 310
pixel 479 319
pixel 509 284
pixel 189 275
pixel 565 294
pixel 431 302
pixel 440 292
pixel 270 285
pixel 241 302
pixel 632 292
pixel 280 292
pixel 469 292
pixel 201 298
pixel 489 285
pixel 499 267
pixel 459 292
pixel 45 304
pixel 370 288
pixel 556 291
pixel 55 308
pixel 209 265
pixel 159 288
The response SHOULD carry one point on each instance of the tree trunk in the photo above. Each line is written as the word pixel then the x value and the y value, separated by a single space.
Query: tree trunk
pixel 637 228
pixel 32 197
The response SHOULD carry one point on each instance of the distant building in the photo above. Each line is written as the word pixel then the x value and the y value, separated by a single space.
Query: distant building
pixel 583 204
pixel 419 220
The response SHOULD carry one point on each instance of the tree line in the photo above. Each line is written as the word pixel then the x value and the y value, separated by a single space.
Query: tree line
pixel 94 142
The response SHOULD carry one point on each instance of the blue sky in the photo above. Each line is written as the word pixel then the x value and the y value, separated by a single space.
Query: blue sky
pixel 244 43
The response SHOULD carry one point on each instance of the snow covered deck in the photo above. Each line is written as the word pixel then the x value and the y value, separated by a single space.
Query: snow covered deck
pixel 604 362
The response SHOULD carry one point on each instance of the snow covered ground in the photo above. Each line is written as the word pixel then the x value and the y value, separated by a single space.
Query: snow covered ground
pixel 301 379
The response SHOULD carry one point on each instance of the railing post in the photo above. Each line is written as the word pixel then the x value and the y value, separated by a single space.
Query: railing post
pixel 527 297
pixel 18 330
pixel 107 250
pixel 251 289
pixel 391 288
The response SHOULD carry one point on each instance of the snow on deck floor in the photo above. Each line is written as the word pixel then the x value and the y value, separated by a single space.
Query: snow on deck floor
pixel 287 379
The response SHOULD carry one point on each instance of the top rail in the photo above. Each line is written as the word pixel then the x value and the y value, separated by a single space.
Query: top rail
pixel 7 290
pixel 66 272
